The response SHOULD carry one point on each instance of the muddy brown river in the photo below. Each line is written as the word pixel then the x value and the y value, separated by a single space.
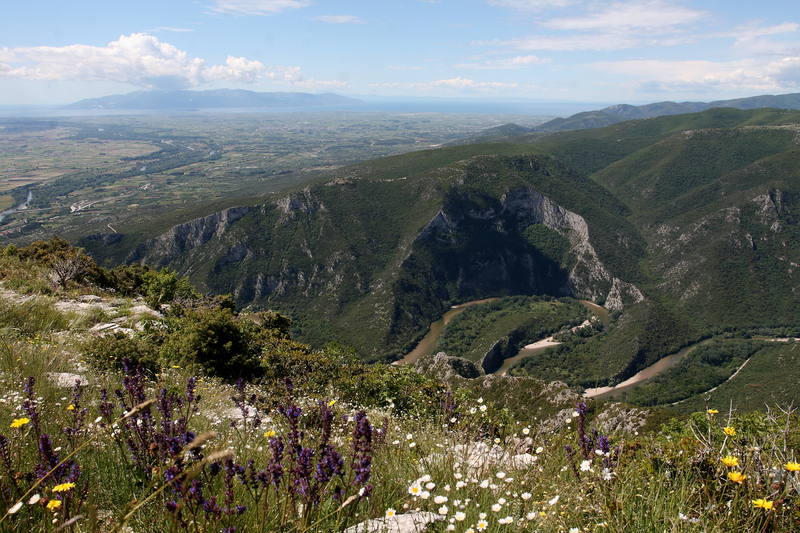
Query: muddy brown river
pixel 428 343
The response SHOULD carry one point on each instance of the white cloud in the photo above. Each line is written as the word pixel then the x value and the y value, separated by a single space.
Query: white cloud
pixel 785 71
pixel 292 76
pixel 322 85
pixel 743 76
pixel 532 5
pixel 403 67
pixel 637 17
pixel 339 19
pixel 237 70
pixel 140 60
pixel 453 84
pixel 751 31
pixel 162 28
pixel 752 39
pixel 256 7
pixel 511 62
pixel 599 42
pixel 612 26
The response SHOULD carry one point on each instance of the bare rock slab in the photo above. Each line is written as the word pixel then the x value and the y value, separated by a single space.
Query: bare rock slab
pixel 401 523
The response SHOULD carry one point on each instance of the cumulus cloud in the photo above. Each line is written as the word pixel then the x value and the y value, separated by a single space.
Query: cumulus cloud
pixel 237 70
pixel 139 59
pixel 339 19
pixel 256 7
pixel 785 72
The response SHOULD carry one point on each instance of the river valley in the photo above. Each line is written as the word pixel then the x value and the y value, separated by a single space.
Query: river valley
pixel 428 345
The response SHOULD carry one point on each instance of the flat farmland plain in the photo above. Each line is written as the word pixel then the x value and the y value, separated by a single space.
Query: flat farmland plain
pixel 95 175
pixel 33 156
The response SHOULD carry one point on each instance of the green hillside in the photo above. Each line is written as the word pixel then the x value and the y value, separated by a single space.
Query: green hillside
pixel 683 225
pixel 512 320
pixel 644 333
pixel 358 245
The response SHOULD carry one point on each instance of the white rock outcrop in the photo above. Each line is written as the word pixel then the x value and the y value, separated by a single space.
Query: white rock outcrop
pixel 401 523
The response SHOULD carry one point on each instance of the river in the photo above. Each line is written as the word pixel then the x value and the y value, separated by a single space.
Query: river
pixel 21 206
pixel 662 364
pixel 541 345
pixel 428 343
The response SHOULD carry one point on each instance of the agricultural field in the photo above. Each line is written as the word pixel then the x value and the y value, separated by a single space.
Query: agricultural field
pixel 39 155
pixel 87 174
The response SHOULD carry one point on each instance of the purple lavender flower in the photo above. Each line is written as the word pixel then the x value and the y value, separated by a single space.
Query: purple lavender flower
pixel 5 457
pixel 30 405
pixel 361 462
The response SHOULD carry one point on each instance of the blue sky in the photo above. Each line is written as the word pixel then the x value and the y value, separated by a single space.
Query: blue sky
pixel 563 50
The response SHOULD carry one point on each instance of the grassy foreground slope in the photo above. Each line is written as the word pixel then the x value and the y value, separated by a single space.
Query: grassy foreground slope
pixel 95 444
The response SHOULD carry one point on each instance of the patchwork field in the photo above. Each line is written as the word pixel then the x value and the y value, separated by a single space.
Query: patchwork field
pixel 85 173
pixel 38 155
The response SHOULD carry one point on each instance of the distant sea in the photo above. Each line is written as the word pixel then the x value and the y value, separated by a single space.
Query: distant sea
pixel 467 106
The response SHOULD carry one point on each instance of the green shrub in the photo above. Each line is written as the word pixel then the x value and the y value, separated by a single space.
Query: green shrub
pixel 107 353
pixel 164 286
pixel 212 340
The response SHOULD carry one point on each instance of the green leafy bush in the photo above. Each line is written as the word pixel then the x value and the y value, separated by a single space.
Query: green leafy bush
pixel 211 340
pixel 108 352
pixel 165 286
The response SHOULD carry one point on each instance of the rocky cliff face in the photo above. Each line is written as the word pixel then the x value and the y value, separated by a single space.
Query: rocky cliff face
pixel 588 279
pixel 387 257
pixel 183 237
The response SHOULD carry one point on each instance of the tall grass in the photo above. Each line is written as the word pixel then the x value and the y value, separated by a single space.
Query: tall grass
pixel 174 451
pixel 315 464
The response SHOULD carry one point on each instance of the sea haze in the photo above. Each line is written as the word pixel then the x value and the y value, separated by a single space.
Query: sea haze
pixel 371 105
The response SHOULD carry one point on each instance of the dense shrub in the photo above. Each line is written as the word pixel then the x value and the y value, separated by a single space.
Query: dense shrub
pixel 108 352
pixel 211 340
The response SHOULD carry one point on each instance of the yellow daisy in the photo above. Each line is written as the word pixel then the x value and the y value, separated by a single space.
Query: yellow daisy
pixel 19 422
pixel 762 503
pixel 63 487
pixel 736 477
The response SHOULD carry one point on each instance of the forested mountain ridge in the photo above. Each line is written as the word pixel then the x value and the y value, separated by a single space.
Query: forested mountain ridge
pixel 390 255
pixel 622 112
pixel 695 214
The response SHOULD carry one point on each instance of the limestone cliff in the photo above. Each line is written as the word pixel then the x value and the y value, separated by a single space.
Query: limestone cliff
pixel 169 246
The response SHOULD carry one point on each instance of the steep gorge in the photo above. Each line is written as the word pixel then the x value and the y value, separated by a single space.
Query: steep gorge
pixel 386 257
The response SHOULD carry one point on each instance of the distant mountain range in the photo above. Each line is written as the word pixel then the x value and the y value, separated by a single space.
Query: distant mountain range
pixel 622 112
pixel 218 98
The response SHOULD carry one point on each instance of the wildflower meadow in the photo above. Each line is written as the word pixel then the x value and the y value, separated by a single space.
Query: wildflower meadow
pixel 156 445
